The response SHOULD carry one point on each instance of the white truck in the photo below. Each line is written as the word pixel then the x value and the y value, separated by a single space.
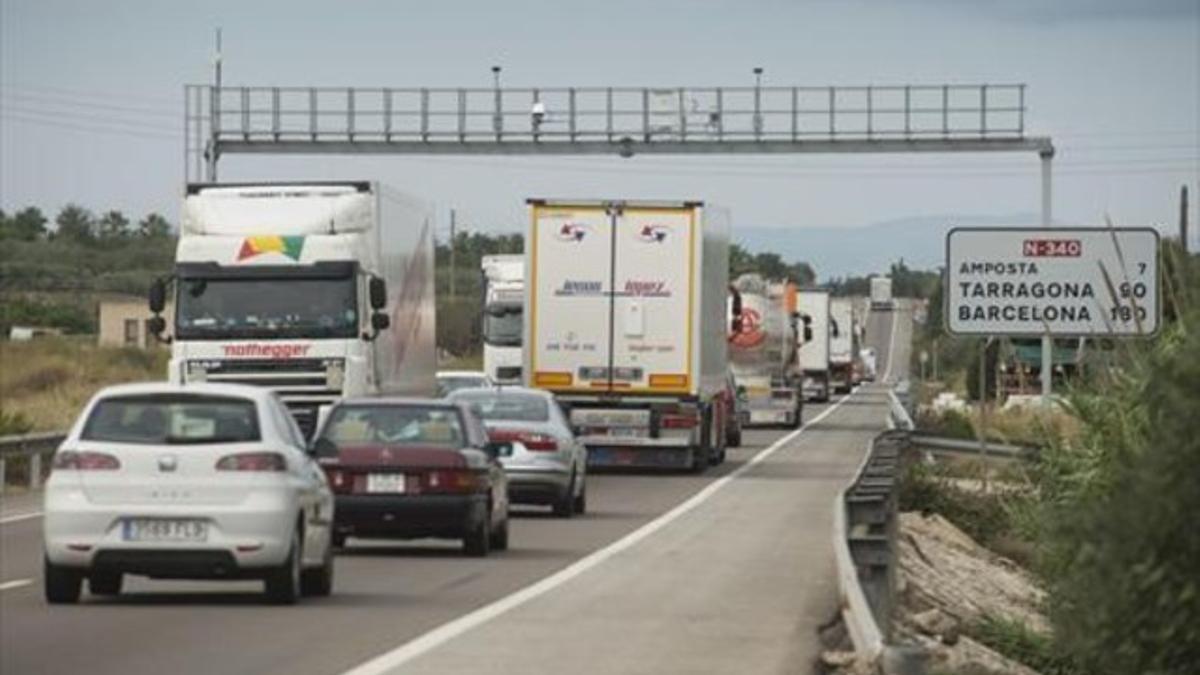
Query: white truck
pixel 625 323
pixel 881 293
pixel 762 352
pixel 503 305
pixel 843 344
pixel 315 290
pixel 814 353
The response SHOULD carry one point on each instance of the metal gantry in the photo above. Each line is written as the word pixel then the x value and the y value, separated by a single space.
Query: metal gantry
pixel 602 120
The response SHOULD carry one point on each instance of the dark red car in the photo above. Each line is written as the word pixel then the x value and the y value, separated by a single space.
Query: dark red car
pixel 410 469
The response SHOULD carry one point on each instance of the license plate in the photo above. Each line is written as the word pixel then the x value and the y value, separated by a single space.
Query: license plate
pixel 626 432
pixel 385 482
pixel 164 529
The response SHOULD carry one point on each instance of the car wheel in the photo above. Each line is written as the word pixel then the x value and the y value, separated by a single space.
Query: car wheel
pixel 734 438
pixel 282 584
pixel 564 506
pixel 478 542
pixel 105 583
pixel 581 499
pixel 500 535
pixel 61 584
pixel 319 581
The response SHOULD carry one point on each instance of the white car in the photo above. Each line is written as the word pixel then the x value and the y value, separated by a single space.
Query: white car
pixel 449 381
pixel 201 481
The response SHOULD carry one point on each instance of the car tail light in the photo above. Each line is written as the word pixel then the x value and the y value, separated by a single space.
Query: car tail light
pixel 531 440
pixel 339 480
pixel 451 481
pixel 779 394
pixel 252 461
pixel 85 461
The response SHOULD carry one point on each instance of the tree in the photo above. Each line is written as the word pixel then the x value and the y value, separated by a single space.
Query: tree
pixel 113 226
pixel 75 223
pixel 29 224
pixel 154 226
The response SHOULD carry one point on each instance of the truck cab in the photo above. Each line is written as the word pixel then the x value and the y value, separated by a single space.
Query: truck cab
pixel 503 312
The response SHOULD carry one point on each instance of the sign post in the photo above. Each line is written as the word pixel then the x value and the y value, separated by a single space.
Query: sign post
pixel 1060 282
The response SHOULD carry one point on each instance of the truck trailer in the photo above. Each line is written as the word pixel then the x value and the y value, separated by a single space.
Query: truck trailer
pixel 881 293
pixel 843 344
pixel 762 352
pixel 625 323
pixel 503 308
pixel 814 353
pixel 315 290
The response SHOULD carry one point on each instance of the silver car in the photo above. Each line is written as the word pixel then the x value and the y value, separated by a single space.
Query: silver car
pixel 544 462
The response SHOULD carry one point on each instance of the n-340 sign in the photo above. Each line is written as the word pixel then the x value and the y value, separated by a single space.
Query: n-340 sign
pixel 1071 282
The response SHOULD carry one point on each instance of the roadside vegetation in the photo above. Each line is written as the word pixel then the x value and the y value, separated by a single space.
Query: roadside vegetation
pixel 44 382
pixel 1105 517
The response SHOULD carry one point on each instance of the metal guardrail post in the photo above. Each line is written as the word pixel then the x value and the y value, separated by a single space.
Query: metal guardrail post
pixel 35 470
pixel 350 114
pixel 387 115
pixel 312 113
pixel 3 475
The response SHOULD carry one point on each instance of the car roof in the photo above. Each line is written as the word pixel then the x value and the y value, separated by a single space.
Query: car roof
pixel 501 390
pixel 398 401
pixel 143 388
pixel 462 373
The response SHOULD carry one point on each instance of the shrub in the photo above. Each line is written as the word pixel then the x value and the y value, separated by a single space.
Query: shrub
pixel 1016 641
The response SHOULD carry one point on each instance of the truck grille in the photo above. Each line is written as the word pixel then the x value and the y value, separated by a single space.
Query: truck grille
pixel 301 383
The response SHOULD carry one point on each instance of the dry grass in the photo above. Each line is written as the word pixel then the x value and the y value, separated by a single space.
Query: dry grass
pixel 48 381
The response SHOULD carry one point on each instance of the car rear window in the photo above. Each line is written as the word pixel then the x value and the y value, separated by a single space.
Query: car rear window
pixel 450 384
pixel 507 406
pixel 172 419
pixel 414 425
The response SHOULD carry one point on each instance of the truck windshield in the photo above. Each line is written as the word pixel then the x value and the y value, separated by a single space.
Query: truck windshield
pixel 225 307
pixel 502 325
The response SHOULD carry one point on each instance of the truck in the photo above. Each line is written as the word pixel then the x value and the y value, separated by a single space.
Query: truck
pixel 814 353
pixel 762 352
pixel 881 293
pixel 843 344
pixel 502 322
pixel 315 290
pixel 625 323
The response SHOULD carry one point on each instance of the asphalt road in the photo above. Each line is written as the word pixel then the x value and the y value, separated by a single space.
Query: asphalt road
pixel 729 571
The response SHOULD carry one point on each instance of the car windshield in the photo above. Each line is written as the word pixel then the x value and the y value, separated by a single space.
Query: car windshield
pixel 412 425
pixel 451 383
pixel 502 324
pixel 270 307
pixel 507 406
pixel 172 419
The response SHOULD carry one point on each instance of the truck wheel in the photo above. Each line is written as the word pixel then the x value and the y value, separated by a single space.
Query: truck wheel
pixel 61 584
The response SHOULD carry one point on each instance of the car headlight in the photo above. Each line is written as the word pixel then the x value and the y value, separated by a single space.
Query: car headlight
pixel 196 372
pixel 335 374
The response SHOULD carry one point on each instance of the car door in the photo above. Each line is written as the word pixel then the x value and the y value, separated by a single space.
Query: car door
pixel 316 497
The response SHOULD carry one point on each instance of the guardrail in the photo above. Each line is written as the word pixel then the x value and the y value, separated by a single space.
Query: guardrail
pixel 28 451
pixel 974 447
pixel 864 545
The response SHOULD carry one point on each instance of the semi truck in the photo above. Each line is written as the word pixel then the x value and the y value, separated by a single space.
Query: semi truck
pixel 315 290
pixel 814 353
pixel 502 323
pixel 762 352
pixel 881 293
pixel 843 344
pixel 626 324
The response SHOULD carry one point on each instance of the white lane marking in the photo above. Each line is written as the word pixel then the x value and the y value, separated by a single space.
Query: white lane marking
pixel 425 643
pixel 19 517
pixel 15 583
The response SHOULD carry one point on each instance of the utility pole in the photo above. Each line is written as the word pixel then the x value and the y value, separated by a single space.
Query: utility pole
pixel 452 247
pixel 1183 218
pixel 214 113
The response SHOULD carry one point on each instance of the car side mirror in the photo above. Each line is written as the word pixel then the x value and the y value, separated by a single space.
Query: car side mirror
pixel 157 297
pixel 807 333
pixel 377 293
pixel 157 325
pixel 495 449
pixel 741 392
pixel 380 321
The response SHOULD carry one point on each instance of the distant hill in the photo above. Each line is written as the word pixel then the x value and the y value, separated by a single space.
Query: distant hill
pixel 843 251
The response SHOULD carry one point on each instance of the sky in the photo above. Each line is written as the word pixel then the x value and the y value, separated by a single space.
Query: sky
pixel 91 99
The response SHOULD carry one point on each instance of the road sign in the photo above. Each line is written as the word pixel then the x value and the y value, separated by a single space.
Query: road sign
pixel 1064 282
